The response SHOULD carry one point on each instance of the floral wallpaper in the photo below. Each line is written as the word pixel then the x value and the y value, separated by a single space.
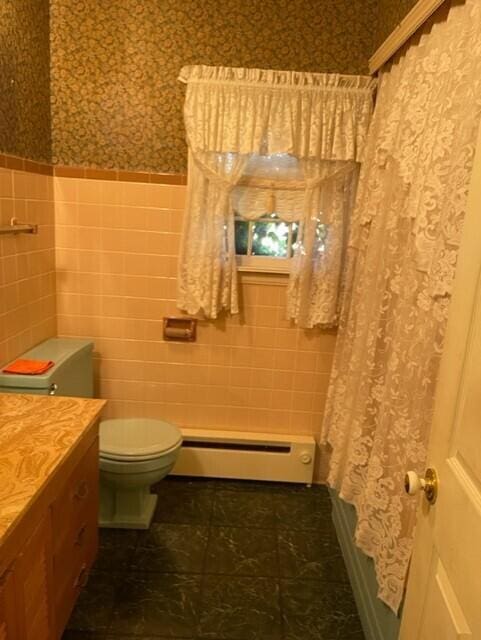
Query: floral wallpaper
pixel 391 12
pixel 116 102
pixel 25 79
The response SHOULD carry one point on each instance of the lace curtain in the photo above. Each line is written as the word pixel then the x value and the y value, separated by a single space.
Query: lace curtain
pixel 401 261
pixel 207 269
pixel 234 119
pixel 319 196
pixel 314 283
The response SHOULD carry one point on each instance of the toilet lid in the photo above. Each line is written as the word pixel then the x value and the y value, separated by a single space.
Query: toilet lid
pixel 137 437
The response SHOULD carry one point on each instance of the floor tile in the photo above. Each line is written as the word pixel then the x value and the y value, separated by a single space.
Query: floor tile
pixel 313 610
pixel 311 555
pixel 174 548
pixel 209 567
pixel 242 551
pixel 162 604
pixel 95 604
pixel 182 483
pixel 303 512
pixel 116 549
pixel 239 609
pixel 185 506
pixel 244 508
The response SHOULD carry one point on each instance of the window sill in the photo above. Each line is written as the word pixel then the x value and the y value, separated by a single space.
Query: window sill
pixel 261 265
pixel 264 278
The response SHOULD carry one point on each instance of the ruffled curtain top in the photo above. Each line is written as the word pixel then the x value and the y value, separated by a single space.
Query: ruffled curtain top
pixel 267 111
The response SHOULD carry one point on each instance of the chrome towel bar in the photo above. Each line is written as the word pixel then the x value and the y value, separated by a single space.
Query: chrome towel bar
pixel 18 227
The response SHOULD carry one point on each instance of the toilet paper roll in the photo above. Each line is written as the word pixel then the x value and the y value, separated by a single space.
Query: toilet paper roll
pixel 177 334
pixel 179 329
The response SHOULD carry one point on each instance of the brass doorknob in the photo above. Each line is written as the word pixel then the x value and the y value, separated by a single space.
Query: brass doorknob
pixel 429 484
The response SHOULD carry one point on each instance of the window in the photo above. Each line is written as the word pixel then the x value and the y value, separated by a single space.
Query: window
pixel 268 203
pixel 265 244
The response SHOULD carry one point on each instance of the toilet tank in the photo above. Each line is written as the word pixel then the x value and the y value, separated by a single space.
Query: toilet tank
pixel 71 375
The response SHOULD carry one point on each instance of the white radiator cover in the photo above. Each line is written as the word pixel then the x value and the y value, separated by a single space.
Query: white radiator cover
pixel 246 456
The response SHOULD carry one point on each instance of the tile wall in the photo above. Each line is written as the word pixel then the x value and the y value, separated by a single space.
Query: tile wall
pixel 27 263
pixel 117 245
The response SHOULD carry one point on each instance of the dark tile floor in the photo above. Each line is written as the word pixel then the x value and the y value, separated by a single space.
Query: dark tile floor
pixel 224 560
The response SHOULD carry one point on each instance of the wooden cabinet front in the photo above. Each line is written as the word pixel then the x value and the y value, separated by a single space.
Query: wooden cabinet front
pixel 40 585
pixel 33 585
pixel 75 518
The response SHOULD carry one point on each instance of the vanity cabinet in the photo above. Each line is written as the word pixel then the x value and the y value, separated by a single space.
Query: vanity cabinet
pixel 39 588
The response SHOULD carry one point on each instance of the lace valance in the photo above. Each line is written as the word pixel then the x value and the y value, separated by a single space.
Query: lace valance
pixel 266 111
pixel 276 143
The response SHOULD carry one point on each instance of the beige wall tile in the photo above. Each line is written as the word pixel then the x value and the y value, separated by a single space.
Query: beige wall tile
pixel 27 266
pixel 117 246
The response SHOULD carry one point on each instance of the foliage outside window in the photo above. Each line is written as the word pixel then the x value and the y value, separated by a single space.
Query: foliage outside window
pixel 267 243
pixel 267 236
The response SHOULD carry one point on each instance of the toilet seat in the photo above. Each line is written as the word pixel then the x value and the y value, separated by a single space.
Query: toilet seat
pixel 137 439
pixel 131 458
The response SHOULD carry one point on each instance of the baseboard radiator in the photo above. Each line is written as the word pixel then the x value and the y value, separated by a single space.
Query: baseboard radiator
pixel 246 456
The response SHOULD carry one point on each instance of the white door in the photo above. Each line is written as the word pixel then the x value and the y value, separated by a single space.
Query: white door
pixel 443 599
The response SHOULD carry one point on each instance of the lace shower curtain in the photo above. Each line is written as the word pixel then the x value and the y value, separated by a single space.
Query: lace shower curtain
pixel 400 267
pixel 233 116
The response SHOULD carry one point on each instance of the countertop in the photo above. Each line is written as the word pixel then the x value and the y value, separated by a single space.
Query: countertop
pixel 37 433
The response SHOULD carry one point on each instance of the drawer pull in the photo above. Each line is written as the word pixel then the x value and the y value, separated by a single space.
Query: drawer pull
pixel 82 578
pixel 79 540
pixel 82 491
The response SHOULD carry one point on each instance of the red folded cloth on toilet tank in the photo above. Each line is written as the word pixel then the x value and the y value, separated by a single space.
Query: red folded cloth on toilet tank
pixel 28 367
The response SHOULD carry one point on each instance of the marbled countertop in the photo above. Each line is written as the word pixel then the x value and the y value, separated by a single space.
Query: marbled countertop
pixel 36 435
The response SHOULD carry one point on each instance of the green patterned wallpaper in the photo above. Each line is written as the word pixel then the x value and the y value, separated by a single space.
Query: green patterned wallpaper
pixel 391 12
pixel 24 79
pixel 115 98
pixel 116 102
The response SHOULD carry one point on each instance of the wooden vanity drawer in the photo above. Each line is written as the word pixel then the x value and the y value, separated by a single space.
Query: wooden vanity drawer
pixel 75 525
pixel 72 566
pixel 77 501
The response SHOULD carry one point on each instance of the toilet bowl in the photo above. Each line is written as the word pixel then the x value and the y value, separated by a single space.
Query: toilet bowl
pixel 135 453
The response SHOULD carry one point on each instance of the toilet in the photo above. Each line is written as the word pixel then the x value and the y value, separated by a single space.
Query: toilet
pixel 135 453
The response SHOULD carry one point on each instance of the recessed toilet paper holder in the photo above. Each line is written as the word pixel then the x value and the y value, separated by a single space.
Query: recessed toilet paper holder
pixel 181 329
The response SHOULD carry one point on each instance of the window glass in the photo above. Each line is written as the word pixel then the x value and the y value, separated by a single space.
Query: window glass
pixel 241 237
pixel 270 238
